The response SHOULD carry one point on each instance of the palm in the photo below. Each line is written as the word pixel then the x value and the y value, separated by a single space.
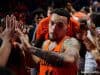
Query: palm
pixel 10 25
pixel 23 37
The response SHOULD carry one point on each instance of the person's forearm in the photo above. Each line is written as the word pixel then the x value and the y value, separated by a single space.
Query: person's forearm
pixel 90 43
pixel 34 58
pixel 52 58
pixel 96 54
pixel 4 52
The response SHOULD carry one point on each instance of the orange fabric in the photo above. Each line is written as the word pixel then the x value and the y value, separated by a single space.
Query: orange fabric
pixel 64 70
pixel 79 15
pixel 73 27
pixel 42 30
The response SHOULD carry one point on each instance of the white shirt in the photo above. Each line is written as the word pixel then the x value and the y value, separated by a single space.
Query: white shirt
pixel 90 63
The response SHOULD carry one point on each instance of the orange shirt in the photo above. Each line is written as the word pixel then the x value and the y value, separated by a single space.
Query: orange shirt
pixel 73 27
pixel 79 15
pixel 47 69
pixel 42 30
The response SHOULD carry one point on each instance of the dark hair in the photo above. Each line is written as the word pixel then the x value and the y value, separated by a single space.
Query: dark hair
pixel 62 12
pixel 96 18
pixel 38 12
pixel 87 9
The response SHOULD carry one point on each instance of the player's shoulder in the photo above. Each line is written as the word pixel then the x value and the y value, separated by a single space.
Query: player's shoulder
pixel 71 39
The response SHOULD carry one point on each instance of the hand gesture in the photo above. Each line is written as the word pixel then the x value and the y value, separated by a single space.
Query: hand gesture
pixel 7 34
pixel 23 38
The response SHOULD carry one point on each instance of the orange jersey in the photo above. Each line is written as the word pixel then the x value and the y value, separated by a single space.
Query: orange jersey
pixel 42 29
pixel 47 69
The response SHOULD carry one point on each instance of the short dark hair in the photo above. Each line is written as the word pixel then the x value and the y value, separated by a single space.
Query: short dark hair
pixel 62 12
pixel 87 9
pixel 38 12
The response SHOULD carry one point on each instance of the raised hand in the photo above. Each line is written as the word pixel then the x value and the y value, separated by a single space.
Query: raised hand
pixel 7 34
pixel 23 38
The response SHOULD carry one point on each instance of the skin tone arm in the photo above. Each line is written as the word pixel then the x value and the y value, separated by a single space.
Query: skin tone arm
pixel 4 52
pixel 96 54
pixel 53 57
pixel 69 55
pixel 5 48
pixel 92 47
pixel 25 45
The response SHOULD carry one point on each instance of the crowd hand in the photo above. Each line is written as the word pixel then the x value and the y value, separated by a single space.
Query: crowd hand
pixel 88 43
pixel 24 45
pixel 23 38
pixel 7 34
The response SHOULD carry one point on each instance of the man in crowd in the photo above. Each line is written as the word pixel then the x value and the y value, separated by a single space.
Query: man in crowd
pixel 59 54
pixel 42 29
pixel 92 39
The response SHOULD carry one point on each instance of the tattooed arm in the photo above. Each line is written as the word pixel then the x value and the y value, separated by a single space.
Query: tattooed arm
pixel 70 49
pixel 69 55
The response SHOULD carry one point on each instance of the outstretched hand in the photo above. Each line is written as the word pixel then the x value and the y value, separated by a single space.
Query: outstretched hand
pixel 23 38
pixel 13 31
pixel 8 32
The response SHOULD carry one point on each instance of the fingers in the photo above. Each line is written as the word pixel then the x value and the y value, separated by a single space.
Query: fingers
pixel 10 22
pixel 13 25
pixel 13 20
pixel 7 21
pixel 18 26
pixel 18 44
pixel 19 31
